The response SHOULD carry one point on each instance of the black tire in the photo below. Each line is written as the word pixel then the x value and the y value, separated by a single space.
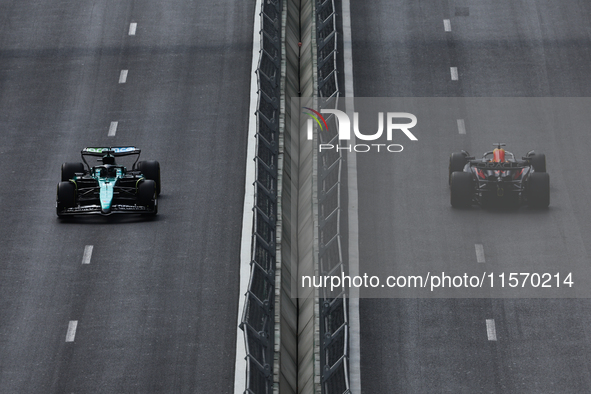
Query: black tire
pixel 66 196
pixel 69 169
pixel 457 162
pixel 538 190
pixel 150 169
pixel 462 189
pixel 538 161
pixel 146 194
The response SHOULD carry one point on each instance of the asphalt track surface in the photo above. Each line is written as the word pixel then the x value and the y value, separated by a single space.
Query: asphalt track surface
pixel 156 306
pixel 501 49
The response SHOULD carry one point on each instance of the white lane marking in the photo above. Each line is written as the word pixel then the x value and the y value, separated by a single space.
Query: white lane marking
pixel 113 129
pixel 479 253
pixel 347 48
pixel 123 76
pixel 247 214
pixel 454 73
pixel 491 331
pixel 71 334
pixel 353 214
pixel 87 254
pixel 132 28
pixel 447 25
pixel 461 126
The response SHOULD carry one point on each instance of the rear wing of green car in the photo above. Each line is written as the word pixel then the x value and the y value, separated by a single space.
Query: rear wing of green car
pixel 116 151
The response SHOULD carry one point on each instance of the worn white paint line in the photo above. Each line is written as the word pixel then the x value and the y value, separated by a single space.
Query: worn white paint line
pixel 447 25
pixel 461 126
pixel 71 334
pixel 491 331
pixel 113 129
pixel 454 73
pixel 132 28
pixel 479 253
pixel 347 48
pixel 123 76
pixel 353 216
pixel 87 254
pixel 247 214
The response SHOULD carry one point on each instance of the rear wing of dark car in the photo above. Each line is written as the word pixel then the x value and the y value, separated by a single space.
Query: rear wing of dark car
pixel 491 165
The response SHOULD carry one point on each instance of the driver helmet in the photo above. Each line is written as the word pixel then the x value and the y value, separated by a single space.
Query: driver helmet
pixel 108 171
pixel 108 159
pixel 499 155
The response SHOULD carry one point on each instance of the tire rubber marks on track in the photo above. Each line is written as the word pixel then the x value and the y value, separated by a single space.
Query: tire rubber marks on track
pixel 479 253
pixel 71 333
pixel 132 28
pixel 462 11
pixel 87 254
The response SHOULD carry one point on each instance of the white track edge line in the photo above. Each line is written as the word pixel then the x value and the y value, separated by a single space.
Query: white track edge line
pixel 354 323
pixel 247 214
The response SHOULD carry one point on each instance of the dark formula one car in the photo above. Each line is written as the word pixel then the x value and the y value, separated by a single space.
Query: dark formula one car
pixel 109 188
pixel 498 179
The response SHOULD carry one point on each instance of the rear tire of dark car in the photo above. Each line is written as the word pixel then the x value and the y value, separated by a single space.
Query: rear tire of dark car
pixel 146 195
pixel 538 161
pixel 69 169
pixel 462 189
pixel 66 196
pixel 538 190
pixel 457 162
pixel 150 169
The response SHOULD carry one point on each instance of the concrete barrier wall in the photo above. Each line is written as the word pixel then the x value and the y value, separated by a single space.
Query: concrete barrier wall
pixel 297 363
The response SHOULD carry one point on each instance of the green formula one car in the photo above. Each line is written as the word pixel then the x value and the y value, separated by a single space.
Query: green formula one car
pixel 108 188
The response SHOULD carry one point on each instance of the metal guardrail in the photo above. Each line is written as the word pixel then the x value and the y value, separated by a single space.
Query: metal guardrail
pixel 258 316
pixel 334 325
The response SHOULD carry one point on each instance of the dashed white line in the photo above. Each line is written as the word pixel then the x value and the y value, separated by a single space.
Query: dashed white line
pixel 454 73
pixel 71 334
pixel 491 331
pixel 447 24
pixel 132 28
pixel 87 254
pixel 479 253
pixel 113 129
pixel 123 76
pixel 461 126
